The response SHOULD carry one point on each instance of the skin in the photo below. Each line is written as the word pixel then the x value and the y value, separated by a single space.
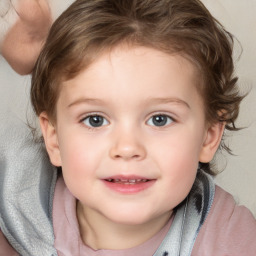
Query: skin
pixel 24 26
pixel 129 88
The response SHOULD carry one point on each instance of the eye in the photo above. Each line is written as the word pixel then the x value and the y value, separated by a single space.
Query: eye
pixel 95 121
pixel 160 120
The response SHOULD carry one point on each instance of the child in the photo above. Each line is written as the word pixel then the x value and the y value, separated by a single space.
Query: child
pixel 133 98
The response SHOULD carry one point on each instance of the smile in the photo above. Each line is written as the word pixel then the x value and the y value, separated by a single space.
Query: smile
pixel 128 185
pixel 128 181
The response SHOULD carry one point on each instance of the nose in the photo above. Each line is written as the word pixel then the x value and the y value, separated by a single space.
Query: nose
pixel 127 146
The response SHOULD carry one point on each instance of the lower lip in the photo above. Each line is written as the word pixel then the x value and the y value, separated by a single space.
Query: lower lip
pixel 129 188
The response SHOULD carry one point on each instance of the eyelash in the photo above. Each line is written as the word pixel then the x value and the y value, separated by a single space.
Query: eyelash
pixel 91 115
pixel 168 120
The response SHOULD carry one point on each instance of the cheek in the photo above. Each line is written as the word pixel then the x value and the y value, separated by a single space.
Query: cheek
pixel 178 152
pixel 78 156
pixel 180 171
pixel 177 159
pixel 179 176
pixel 78 167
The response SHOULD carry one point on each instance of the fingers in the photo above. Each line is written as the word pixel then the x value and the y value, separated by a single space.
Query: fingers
pixel 32 10
pixel 4 7
pixel 24 38
pixel 24 26
pixel 8 18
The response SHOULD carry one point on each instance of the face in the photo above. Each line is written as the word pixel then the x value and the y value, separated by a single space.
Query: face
pixel 129 134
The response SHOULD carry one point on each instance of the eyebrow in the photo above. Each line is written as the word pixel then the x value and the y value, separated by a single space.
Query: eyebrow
pixel 84 101
pixel 148 101
pixel 168 100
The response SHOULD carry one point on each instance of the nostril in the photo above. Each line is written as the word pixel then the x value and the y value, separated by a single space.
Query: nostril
pixel 128 156
pixel 127 150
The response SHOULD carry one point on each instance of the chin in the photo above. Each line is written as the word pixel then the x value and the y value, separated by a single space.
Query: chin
pixel 131 218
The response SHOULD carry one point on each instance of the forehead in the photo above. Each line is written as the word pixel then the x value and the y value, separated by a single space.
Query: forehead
pixel 133 72
pixel 123 58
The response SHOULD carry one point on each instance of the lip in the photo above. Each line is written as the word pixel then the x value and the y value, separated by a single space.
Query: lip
pixel 128 184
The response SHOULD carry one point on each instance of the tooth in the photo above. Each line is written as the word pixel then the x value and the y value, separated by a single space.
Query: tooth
pixel 127 181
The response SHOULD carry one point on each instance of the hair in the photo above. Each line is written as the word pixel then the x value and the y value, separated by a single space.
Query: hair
pixel 90 27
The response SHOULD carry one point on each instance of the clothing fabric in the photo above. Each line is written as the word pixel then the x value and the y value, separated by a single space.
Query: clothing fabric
pixel 229 230
pixel 208 222
pixel 27 182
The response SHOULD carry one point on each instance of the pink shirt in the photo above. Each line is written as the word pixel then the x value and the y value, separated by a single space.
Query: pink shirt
pixel 229 229
pixel 5 248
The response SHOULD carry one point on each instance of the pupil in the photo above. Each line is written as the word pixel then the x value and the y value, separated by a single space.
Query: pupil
pixel 96 121
pixel 159 120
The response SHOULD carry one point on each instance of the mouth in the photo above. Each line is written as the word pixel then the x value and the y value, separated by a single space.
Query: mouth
pixel 128 181
pixel 128 185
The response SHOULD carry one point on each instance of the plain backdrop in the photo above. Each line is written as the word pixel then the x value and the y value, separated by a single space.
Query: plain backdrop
pixel 239 171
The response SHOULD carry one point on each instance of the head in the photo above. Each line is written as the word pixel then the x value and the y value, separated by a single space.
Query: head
pixel 98 35
pixel 186 28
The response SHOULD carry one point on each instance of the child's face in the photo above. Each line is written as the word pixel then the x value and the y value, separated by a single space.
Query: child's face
pixel 129 134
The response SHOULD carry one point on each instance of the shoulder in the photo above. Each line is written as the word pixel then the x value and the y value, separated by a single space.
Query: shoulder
pixel 5 247
pixel 229 229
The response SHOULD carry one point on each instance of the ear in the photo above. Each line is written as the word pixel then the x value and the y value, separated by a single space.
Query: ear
pixel 211 142
pixel 50 139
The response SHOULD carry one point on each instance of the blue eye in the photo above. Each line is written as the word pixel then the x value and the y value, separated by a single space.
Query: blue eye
pixel 160 120
pixel 95 121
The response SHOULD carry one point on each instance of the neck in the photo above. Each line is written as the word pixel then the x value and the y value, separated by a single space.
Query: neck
pixel 98 232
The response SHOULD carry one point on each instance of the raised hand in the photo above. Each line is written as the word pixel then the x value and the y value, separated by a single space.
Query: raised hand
pixel 24 25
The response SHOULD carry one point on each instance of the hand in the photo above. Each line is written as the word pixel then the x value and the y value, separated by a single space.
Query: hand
pixel 24 25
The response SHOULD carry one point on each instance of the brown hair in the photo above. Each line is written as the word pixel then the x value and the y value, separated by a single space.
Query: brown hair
pixel 89 27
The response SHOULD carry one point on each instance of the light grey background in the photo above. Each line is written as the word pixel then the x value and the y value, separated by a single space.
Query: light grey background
pixel 239 175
